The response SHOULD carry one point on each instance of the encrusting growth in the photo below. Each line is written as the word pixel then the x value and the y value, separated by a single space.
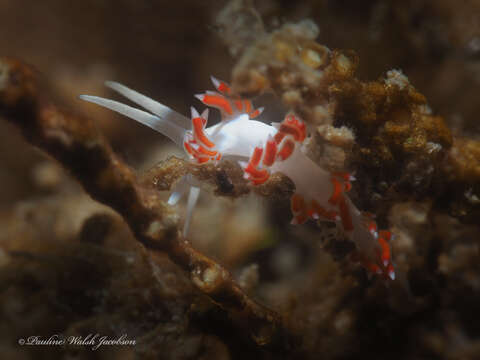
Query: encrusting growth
pixel 261 150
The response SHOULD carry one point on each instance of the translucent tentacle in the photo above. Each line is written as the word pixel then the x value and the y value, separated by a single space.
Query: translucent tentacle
pixel 151 105
pixel 167 128
pixel 192 201
pixel 180 189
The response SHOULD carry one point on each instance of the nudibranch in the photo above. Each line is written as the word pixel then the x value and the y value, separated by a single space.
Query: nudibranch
pixel 261 150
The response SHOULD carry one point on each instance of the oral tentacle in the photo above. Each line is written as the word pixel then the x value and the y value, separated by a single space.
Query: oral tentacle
pixel 164 126
pixel 151 105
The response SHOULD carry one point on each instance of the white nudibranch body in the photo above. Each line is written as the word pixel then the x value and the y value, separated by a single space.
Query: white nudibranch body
pixel 261 150
pixel 238 136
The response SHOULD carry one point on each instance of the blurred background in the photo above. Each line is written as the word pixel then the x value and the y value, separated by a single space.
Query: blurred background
pixel 168 50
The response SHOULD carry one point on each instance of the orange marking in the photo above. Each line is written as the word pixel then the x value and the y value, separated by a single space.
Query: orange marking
pixel 297 203
pixel 290 130
pixel 198 130
pixel 279 137
pixel 303 131
pixel 219 102
pixel 342 175
pixel 371 267
pixel 372 226
pixel 387 235
pixel 259 181
pixel 385 253
pixel 345 214
pixel 256 156
pixel 348 186
pixel 238 104
pixel 256 173
pixel 286 150
pixel 188 148
pixel 223 88
pixel 295 127
pixel 204 151
pixel 219 156
pixel 258 176
pixel 270 152
pixel 202 160
pixel 247 105
pixel 337 192
pixel 254 114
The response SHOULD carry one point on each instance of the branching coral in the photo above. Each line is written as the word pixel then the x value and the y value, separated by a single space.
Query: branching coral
pixel 78 146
